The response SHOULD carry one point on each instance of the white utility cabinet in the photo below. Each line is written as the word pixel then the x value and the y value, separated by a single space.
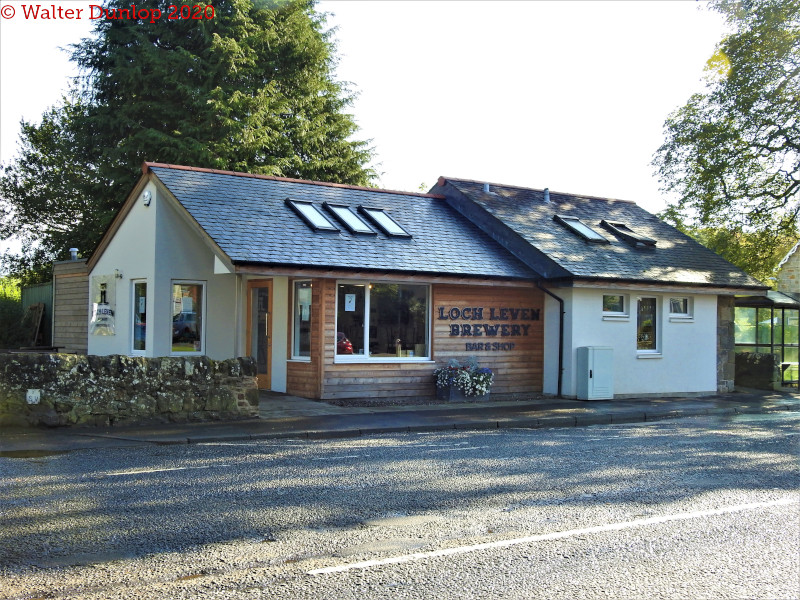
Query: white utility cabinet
pixel 595 373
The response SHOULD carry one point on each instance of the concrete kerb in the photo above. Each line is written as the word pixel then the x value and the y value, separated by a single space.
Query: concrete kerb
pixel 381 423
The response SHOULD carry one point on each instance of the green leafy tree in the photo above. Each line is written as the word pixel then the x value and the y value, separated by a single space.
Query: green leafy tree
pixel 52 197
pixel 731 155
pixel 251 89
pixel 755 252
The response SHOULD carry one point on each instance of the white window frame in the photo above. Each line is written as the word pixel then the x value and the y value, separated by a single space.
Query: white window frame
pixel 682 317
pixel 366 358
pixel 624 315
pixel 584 230
pixel 134 282
pixel 383 221
pixel 656 352
pixel 311 215
pixel 295 341
pixel 203 321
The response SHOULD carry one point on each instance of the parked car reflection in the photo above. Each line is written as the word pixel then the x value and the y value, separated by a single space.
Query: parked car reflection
pixel 184 326
pixel 343 345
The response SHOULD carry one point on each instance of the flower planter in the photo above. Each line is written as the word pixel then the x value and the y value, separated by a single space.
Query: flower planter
pixel 454 394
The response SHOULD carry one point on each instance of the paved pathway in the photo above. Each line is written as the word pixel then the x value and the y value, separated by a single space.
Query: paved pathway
pixel 288 416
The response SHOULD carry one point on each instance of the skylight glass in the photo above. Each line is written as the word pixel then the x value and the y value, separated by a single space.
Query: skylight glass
pixel 388 225
pixel 581 228
pixel 312 216
pixel 627 234
pixel 348 218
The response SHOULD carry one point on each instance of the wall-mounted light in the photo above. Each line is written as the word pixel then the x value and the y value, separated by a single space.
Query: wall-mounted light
pixel 117 273
pixel 147 197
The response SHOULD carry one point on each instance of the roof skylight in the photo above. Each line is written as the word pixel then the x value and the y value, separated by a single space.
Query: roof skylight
pixel 311 215
pixel 348 218
pixel 627 234
pixel 384 222
pixel 581 228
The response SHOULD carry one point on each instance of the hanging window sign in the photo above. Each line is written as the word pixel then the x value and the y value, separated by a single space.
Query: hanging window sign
pixel 350 302
pixel 102 322
pixel 103 301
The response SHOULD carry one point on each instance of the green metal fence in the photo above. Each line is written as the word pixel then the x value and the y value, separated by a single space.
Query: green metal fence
pixel 41 292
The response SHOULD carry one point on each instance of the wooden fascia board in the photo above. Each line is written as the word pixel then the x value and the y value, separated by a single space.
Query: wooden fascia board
pixel 118 220
pixel 321 273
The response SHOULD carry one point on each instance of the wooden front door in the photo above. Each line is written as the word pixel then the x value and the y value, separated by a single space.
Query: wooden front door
pixel 259 330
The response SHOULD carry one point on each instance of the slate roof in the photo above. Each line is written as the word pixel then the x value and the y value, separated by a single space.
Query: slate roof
pixel 556 252
pixel 247 217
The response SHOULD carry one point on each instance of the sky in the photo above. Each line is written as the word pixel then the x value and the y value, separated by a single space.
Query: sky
pixel 567 95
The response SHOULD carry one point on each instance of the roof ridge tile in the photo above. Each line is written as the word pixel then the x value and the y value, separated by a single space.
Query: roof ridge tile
pixel 146 166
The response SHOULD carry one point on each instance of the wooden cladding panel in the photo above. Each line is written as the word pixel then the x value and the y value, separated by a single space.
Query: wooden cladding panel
pixel 301 379
pixel 71 307
pixel 518 369
pixel 304 379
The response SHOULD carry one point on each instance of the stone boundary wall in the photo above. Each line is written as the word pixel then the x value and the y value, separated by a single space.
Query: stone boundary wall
pixel 758 370
pixel 68 389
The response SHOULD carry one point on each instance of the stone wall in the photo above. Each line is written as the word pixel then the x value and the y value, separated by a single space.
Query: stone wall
pixel 726 366
pixel 758 370
pixel 68 389
pixel 789 272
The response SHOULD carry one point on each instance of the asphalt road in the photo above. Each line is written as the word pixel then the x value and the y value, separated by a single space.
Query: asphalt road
pixel 701 507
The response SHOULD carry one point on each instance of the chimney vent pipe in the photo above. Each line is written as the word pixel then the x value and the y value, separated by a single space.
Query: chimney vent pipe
pixel 486 188
pixel 73 254
pixel 547 195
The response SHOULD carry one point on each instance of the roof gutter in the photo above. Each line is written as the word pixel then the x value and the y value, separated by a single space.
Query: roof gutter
pixel 560 333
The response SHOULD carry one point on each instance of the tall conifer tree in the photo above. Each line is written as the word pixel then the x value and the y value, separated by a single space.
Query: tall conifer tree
pixel 251 89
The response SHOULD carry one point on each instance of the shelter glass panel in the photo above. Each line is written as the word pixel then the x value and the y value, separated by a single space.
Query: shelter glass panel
pixel 745 325
pixel 764 326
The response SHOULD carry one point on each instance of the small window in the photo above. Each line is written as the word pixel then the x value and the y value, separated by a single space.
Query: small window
pixel 187 318
pixel 383 221
pixel 627 234
pixel 311 215
pixel 679 307
pixel 302 320
pixel 581 228
pixel 348 218
pixel 139 317
pixel 614 304
pixel 647 325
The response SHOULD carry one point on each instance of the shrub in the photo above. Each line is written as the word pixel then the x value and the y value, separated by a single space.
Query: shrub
pixel 471 379
pixel 11 313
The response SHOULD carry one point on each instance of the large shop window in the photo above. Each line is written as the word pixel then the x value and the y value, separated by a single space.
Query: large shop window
pixel 302 320
pixel 187 317
pixel 139 316
pixel 387 321
pixel 647 325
